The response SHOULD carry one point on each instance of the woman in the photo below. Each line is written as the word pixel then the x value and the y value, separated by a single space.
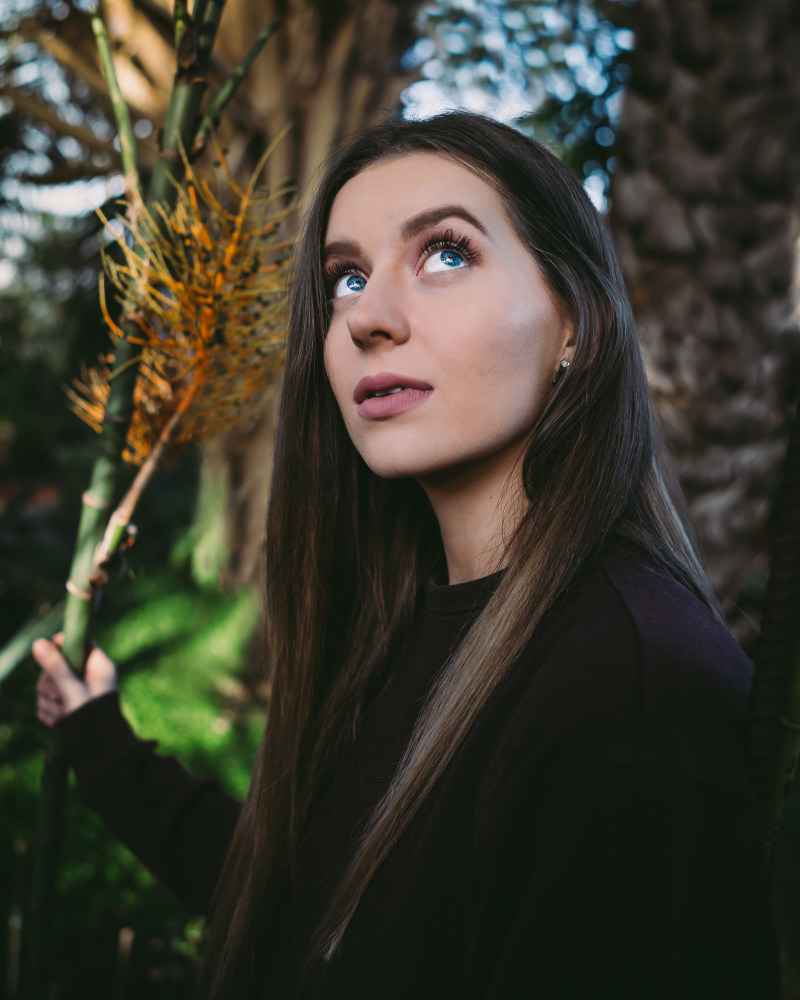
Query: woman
pixel 504 751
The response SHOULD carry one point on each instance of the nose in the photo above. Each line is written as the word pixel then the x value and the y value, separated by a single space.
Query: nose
pixel 378 317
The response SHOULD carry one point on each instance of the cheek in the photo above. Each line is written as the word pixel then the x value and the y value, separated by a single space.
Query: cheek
pixel 523 350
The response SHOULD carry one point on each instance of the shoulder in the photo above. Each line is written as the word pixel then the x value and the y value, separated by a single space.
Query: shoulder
pixel 670 623
pixel 631 668
pixel 690 671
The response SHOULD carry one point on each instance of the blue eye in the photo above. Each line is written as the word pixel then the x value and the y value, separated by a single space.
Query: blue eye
pixel 451 258
pixel 348 284
pixel 444 260
pixel 447 251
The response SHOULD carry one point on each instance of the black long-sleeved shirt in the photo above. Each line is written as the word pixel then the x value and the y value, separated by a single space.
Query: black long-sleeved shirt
pixel 594 836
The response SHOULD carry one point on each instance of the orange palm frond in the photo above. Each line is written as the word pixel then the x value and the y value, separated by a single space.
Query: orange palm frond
pixel 204 289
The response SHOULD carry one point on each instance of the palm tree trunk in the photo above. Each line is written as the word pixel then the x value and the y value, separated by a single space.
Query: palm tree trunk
pixel 704 212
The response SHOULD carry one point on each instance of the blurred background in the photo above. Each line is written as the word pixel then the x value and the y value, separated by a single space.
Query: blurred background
pixel 682 117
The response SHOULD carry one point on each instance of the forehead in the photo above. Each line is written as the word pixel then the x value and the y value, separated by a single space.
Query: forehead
pixel 393 190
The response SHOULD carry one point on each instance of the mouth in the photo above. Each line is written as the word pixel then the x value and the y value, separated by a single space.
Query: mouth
pixel 386 392
pixel 386 384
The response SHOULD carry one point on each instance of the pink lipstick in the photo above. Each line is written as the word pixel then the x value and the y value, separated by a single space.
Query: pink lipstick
pixel 387 394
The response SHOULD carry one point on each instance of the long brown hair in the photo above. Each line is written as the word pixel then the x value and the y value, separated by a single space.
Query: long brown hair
pixel 341 589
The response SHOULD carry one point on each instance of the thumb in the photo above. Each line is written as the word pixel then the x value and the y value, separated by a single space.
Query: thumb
pixel 101 674
pixel 73 691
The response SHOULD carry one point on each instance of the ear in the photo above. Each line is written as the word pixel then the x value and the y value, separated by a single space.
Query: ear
pixel 567 348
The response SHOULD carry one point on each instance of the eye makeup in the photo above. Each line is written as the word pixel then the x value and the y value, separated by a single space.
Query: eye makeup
pixel 337 269
pixel 447 240
pixel 437 242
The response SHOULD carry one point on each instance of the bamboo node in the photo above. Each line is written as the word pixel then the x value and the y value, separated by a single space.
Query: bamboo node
pixel 92 500
pixel 168 154
pixel 75 590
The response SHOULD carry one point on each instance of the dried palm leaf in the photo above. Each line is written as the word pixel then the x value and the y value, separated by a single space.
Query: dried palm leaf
pixel 204 287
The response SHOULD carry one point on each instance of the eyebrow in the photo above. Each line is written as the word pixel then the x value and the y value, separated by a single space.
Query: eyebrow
pixel 413 227
pixel 420 222
pixel 340 248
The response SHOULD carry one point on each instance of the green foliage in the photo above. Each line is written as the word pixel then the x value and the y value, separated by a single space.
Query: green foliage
pixel 556 70
pixel 175 640
pixel 181 649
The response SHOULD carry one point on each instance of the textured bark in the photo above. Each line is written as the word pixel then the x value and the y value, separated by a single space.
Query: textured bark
pixel 704 210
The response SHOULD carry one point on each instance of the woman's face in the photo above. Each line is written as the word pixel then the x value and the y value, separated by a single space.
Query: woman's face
pixel 444 339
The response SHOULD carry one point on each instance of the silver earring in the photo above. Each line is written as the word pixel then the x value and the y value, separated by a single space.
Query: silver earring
pixel 563 365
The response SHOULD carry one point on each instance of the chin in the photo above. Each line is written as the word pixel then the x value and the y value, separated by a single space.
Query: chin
pixel 434 468
pixel 394 470
pixel 399 466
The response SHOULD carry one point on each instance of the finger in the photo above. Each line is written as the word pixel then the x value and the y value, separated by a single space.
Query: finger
pixel 101 673
pixel 49 716
pixel 44 649
pixel 51 660
pixel 73 691
pixel 50 708
pixel 49 698
pixel 45 684
pixel 49 701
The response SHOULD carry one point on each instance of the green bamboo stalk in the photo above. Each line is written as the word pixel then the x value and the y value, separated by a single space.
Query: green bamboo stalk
pixel 127 142
pixel 182 21
pixel 198 11
pixel 180 124
pixel 18 646
pixel 77 615
pixel 231 85
pixel 179 131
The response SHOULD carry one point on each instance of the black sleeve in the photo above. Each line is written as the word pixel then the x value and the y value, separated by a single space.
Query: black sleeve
pixel 633 883
pixel 177 825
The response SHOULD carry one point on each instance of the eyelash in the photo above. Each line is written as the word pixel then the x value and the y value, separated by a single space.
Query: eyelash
pixel 435 243
pixel 338 269
pixel 447 240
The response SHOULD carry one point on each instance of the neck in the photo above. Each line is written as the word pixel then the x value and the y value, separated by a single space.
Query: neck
pixel 477 507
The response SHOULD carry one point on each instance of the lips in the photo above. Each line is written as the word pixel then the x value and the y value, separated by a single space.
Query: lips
pixel 383 383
